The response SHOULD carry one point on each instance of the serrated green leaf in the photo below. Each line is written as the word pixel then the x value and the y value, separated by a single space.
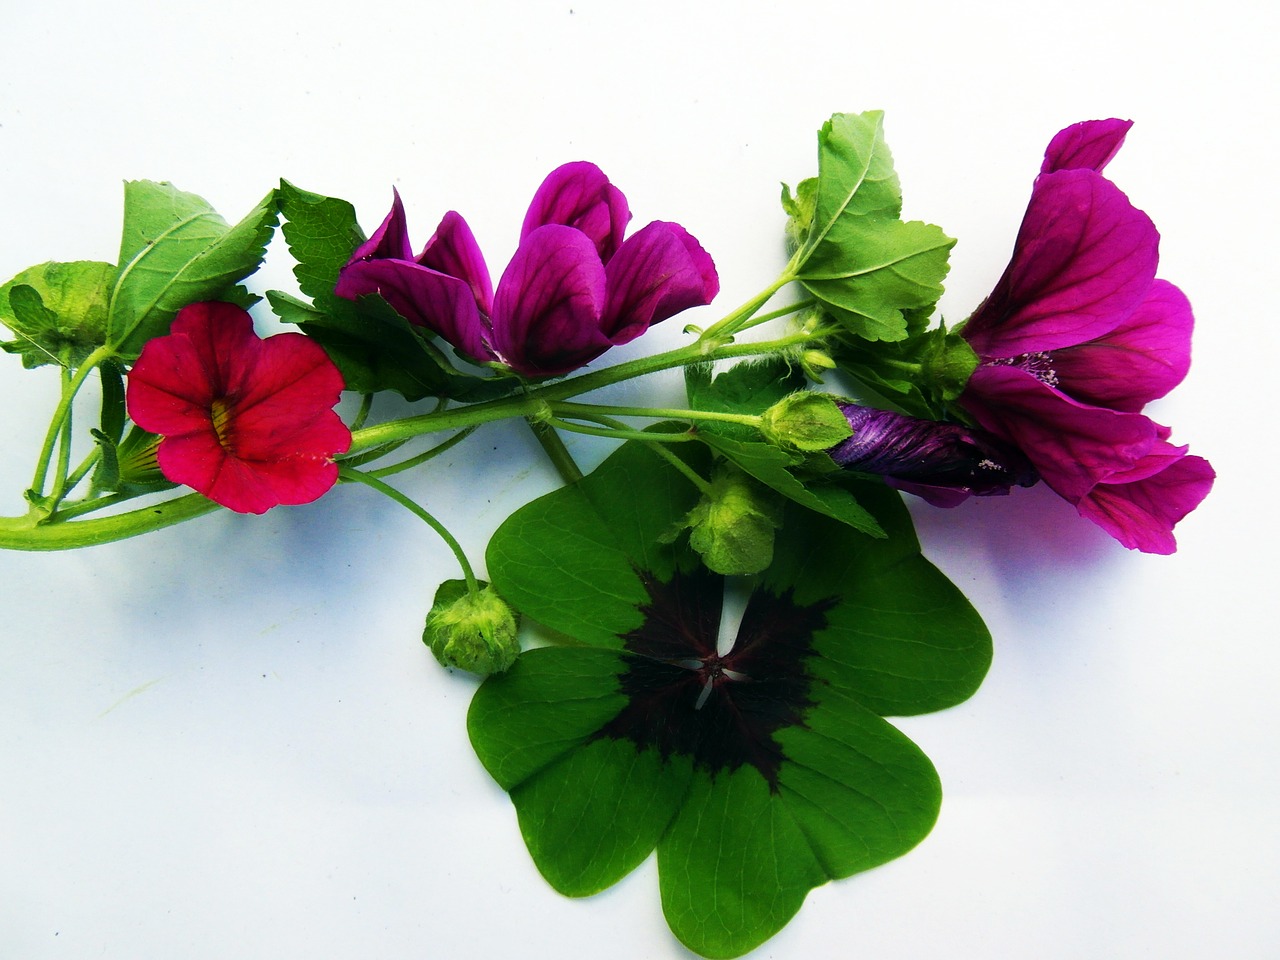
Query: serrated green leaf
pixel 872 272
pixel 322 233
pixel 875 274
pixel 855 175
pixel 757 774
pixel 175 249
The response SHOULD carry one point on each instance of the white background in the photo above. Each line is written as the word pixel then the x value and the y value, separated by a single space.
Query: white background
pixel 225 739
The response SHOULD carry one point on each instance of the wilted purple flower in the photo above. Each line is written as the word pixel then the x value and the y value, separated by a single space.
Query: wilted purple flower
pixel 574 288
pixel 1077 337
pixel 944 463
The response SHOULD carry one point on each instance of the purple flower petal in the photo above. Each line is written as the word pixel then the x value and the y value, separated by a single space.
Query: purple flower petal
pixel 441 303
pixel 933 460
pixel 1083 261
pixel 660 271
pixel 580 195
pixel 550 299
pixel 1142 359
pixel 1074 446
pixel 453 250
pixel 1141 507
pixel 391 239
pixel 1085 146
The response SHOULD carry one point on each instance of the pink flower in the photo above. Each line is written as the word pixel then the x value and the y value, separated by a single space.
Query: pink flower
pixel 1077 337
pixel 247 422
pixel 574 288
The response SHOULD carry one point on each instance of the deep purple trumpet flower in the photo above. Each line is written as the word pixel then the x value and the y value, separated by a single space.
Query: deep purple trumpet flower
pixel 574 288
pixel 945 463
pixel 1077 337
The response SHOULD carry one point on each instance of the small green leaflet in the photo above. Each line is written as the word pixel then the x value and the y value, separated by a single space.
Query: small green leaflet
pixel 757 774
pixel 175 249
pixel 868 268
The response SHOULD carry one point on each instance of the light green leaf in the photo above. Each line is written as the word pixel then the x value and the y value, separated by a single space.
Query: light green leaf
pixel 855 175
pixel 870 271
pixel 57 310
pixel 175 250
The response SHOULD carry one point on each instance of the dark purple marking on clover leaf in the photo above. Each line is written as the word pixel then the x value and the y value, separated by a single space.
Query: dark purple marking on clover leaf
pixel 722 711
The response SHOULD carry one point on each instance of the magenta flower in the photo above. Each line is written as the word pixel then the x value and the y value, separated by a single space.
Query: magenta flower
pixel 945 463
pixel 247 422
pixel 1077 337
pixel 574 288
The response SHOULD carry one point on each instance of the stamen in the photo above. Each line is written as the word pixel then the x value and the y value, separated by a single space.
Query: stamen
pixel 1039 365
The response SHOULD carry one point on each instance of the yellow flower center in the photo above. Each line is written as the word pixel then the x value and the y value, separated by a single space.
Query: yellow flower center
pixel 221 413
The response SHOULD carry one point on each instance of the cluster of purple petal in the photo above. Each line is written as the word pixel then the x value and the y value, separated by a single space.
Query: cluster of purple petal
pixel 574 288
pixel 1077 337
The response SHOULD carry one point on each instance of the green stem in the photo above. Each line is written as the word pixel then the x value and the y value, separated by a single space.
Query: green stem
pixel 87 464
pixel 724 329
pixel 64 454
pixel 776 314
pixel 347 473
pixel 662 451
pixel 591 411
pixel 533 405
pixel 426 455
pixel 30 533
pixel 366 404
pixel 556 451
pixel 620 433
pixel 61 412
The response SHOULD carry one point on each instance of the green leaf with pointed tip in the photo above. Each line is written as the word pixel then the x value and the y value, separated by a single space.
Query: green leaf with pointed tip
pixel 871 271
pixel 322 233
pixel 855 175
pixel 175 249
pixel 57 310
pixel 757 774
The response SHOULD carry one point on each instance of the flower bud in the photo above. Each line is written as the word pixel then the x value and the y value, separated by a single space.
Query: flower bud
pixel 816 363
pixel 732 525
pixel 805 421
pixel 942 462
pixel 474 631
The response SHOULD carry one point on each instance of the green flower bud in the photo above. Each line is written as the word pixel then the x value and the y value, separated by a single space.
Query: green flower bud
pixel 474 631
pixel 805 421
pixel 816 363
pixel 733 524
